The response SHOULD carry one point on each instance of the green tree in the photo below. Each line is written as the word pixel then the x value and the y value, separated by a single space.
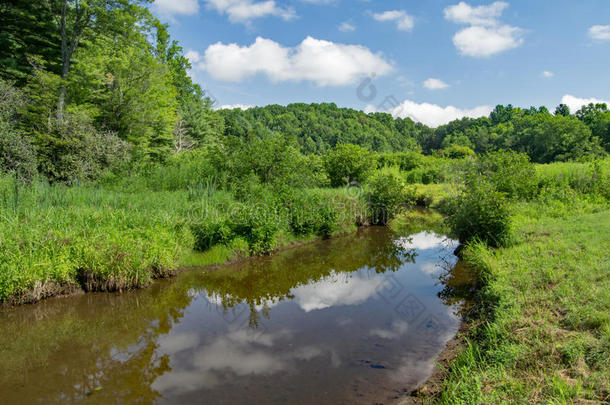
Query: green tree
pixel 347 163
pixel 562 109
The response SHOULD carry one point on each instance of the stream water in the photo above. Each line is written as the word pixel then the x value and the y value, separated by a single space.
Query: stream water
pixel 356 319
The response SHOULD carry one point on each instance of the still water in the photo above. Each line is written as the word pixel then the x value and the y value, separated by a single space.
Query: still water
pixel 357 319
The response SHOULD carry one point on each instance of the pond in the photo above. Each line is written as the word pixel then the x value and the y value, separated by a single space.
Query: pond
pixel 355 319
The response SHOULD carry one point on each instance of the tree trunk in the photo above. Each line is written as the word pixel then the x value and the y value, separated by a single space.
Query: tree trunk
pixel 65 61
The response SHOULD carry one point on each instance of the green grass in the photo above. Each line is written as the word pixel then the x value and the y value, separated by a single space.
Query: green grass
pixel 542 334
pixel 120 236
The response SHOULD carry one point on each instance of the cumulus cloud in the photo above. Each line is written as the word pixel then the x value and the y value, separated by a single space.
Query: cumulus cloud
pixel 600 32
pixel 322 62
pixel 404 21
pixel 435 84
pixel 485 36
pixel 575 103
pixel 547 74
pixel 434 115
pixel 346 27
pixel 463 13
pixel 243 11
pixel 483 42
pixel 176 7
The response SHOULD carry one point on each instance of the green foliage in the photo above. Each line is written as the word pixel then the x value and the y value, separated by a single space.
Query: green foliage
pixel 74 150
pixel 457 152
pixel 480 212
pixel 510 173
pixel 386 193
pixel 320 127
pixel 348 163
pixel 404 160
pixel 310 213
pixel 16 152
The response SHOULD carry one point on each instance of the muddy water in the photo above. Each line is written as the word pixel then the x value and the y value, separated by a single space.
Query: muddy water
pixel 358 319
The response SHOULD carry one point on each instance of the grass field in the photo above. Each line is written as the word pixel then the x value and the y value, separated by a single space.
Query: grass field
pixel 541 329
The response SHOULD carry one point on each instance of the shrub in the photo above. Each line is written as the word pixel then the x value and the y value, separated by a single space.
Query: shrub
pixel 387 192
pixel 208 234
pixel 457 152
pixel 348 163
pixel 509 172
pixel 480 212
pixel 404 160
pixel 16 154
pixel 74 150
pixel 311 214
pixel 258 225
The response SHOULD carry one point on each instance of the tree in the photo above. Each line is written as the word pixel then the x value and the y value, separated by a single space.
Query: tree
pixel 16 152
pixel 76 21
pixel 28 39
pixel 597 118
pixel 562 109
pixel 348 163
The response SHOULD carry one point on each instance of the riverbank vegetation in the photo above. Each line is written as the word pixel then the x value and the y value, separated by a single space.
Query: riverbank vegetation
pixel 538 326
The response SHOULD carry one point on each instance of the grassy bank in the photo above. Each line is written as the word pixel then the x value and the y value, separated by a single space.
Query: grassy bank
pixel 56 239
pixel 539 330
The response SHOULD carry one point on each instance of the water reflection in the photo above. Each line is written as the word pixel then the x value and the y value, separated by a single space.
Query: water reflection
pixel 350 320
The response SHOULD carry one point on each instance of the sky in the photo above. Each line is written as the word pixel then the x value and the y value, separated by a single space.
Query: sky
pixel 433 60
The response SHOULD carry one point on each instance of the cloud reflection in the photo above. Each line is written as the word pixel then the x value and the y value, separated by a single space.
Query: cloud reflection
pixel 337 289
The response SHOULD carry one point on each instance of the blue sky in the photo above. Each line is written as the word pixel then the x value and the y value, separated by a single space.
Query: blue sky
pixel 436 60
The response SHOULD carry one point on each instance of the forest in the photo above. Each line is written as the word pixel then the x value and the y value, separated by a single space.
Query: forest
pixel 117 169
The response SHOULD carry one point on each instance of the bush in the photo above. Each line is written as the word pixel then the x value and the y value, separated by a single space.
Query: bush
pixel 258 225
pixel 311 214
pixel 387 192
pixel 481 213
pixel 208 234
pixel 425 175
pixel 348 163
pixel 404 160
pixel 74 150
pixel 457 152
pixel 509 172
pixel 16 154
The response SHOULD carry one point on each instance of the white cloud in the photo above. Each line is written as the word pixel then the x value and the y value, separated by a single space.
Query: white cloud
pixel 547 74
pixel 575 103
pixel 404 21
pixel 196 59
pixel 435 84
pixel 337 289
pixel 434 115
pixel 245 10
pixel 234 106
pixel 175 7
pixel 424 240
pixel 322 62
pixel 483 42
pixel 463 13
pixel 346 27
pixel 485 36
pixel 600 32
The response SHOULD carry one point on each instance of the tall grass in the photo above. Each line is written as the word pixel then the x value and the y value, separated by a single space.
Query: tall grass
pixel 124 233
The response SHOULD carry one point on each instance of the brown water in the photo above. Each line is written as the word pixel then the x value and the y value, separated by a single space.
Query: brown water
pixel 357 319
